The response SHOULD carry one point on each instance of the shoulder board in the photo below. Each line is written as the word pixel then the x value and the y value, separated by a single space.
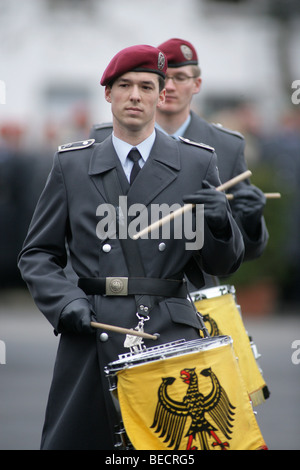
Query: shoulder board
pixel 229 131
pixel 197 144
pixel 104 125
pixel 76 145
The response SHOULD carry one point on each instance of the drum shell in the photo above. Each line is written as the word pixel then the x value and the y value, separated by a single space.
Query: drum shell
pixel 140 380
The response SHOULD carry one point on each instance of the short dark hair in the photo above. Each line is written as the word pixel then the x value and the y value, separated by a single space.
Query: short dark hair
pixel 161 83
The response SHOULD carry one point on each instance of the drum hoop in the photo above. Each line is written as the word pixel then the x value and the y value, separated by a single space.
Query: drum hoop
pixel 212 292
pixel 166 351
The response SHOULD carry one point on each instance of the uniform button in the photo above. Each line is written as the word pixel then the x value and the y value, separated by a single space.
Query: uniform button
pixel 103 337
pixel 106 248
pixel 162 247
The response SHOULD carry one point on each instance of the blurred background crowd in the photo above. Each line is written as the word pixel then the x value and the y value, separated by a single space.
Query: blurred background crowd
pixel 52 55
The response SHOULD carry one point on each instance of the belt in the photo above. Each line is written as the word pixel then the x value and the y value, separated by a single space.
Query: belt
pixel 123 286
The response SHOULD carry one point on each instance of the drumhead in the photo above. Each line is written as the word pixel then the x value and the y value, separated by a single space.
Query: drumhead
pixel 165 351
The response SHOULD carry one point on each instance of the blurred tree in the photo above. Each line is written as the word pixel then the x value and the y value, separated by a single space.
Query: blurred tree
pixel 272 266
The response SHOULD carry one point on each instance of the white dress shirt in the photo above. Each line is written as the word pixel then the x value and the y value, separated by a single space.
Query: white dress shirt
pixel 123 148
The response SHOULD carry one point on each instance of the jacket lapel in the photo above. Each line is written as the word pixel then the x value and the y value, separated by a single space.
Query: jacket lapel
pixel 103 159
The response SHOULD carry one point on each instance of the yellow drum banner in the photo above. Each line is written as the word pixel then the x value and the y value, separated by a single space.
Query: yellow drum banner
pixel 195 401
pixel 222 317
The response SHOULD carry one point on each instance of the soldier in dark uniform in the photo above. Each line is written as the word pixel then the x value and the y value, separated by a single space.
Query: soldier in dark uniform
pixel 79 413
pixel 177 119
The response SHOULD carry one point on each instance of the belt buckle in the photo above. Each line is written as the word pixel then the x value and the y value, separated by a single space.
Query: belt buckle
pixel 116 286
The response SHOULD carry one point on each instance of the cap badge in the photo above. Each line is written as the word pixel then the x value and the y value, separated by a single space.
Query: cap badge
pixel 187 52
pixel 161 61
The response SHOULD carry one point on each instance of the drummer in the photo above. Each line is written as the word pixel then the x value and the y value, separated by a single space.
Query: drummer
pixel 175 118
pixel 80 414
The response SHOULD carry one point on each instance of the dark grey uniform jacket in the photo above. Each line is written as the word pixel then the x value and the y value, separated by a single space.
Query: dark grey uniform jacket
pixel 79 413
pixel 229 147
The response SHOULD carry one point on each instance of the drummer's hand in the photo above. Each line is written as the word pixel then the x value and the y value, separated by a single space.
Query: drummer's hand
pixel 249 201
pixel 76 318
pixel 215 207
pixel 249 204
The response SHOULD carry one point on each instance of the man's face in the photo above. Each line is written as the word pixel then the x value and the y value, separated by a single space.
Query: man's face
pixel 134 98
pixel 180 86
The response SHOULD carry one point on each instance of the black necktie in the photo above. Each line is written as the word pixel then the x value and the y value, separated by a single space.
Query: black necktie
pixel 134 155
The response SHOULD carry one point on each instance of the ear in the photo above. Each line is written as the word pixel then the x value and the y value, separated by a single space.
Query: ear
pixel 161 98
pixel 107 94
pixel 197 85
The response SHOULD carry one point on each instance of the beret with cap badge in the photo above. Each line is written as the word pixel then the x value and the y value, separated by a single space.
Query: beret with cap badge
pixel 142 58
pixel 179 52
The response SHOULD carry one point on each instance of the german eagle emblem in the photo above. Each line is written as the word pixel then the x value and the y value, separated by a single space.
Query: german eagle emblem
pixel 208 415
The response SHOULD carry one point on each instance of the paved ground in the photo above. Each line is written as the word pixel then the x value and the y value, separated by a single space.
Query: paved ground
pixel 30 354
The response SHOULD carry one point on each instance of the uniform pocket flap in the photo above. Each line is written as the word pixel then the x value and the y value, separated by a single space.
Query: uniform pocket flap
pixel 181 311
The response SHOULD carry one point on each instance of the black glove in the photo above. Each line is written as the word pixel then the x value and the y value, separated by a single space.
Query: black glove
pixel 249 202
pixel 215 206
pixel 76 317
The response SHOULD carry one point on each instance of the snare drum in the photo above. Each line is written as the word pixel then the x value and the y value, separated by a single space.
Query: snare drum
pixel 185 395
pixel 222 316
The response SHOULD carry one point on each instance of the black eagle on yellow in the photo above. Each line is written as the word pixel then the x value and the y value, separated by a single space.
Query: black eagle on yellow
pixel 212 325
pixel 171 415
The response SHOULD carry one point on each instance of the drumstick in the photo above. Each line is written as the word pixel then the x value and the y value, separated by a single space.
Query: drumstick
pixel 188 207
pixel 124 331
pixel 267 196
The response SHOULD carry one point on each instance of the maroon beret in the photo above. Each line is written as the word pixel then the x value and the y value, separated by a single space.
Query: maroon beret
pixel 135 59
pixel 179 52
